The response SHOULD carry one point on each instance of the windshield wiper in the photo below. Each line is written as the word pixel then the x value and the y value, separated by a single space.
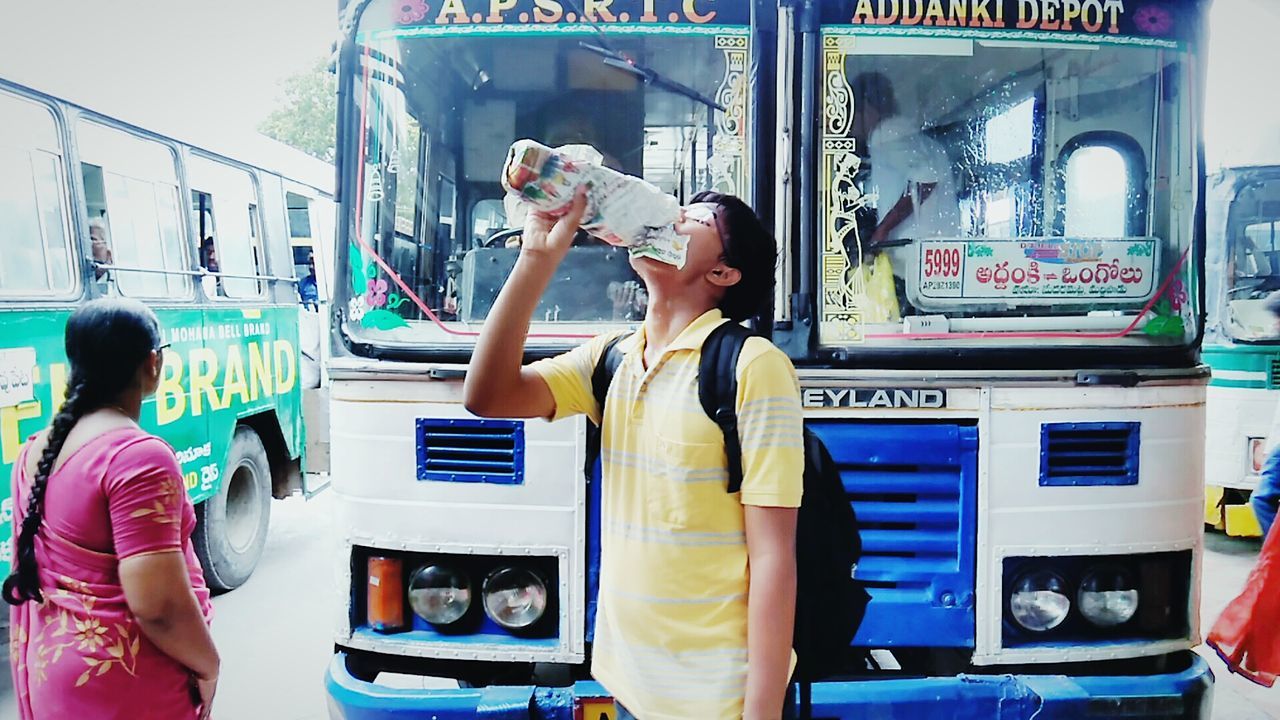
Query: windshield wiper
pixel 615 59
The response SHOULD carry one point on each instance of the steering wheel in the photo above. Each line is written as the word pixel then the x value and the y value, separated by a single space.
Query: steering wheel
pixel 499 239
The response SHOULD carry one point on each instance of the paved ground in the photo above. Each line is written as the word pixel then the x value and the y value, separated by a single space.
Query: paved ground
pixel 274 633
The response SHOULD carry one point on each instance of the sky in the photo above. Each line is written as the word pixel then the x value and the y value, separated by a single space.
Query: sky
pixel 213 69
pixel 193 70
pixel 1242 103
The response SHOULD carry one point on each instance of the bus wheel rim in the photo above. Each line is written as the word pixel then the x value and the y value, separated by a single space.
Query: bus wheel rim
pixel 243 508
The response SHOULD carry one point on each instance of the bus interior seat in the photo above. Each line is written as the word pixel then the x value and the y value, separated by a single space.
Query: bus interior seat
pixel 1269 263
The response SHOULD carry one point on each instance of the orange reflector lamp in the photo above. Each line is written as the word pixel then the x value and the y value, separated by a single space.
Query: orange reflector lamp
pixel 594 709
pixel 1257 454
pixel 385 605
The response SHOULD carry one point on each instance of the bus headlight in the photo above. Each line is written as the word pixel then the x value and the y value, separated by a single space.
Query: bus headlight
pixel 1108 596
pixel 1039 601
pixel 514 598
pixel 439 595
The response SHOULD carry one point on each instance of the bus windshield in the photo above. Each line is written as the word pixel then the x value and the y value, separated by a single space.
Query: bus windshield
pixel 439 106
pixel 980 191
pixel 1252 256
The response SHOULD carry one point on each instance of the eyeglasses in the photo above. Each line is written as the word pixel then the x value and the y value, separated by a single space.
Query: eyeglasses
pixel 703 214
pixel 707 214
pixel 163 347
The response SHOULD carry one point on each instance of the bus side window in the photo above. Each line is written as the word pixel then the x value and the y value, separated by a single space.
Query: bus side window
pixel 302 242
pixel 225 200
pixel 131 193
pixel 35 248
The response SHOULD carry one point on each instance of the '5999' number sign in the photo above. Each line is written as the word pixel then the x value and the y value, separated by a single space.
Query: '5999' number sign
pixel 943 262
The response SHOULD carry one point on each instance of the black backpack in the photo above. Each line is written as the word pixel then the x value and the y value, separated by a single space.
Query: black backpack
pixel 830 603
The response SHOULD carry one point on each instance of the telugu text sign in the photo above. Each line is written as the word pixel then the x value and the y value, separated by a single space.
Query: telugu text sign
pixel 17 376
pixel 1043 271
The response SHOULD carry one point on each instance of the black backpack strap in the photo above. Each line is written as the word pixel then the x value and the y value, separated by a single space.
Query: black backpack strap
pixel 606 368
pixel 601 378
pixel 718 390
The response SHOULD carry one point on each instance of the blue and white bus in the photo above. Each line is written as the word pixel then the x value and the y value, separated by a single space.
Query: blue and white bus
pixel 1009 378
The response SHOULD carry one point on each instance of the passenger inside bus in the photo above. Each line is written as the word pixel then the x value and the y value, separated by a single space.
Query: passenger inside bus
pixel 100 247
pixel 910 179
pixel 308 290
pixel 910 173
pixel 208 255
pixel 209 261
pixel 99 233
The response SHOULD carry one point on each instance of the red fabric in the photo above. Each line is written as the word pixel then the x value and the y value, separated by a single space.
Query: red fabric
pixel 80 653
pixel 1247 634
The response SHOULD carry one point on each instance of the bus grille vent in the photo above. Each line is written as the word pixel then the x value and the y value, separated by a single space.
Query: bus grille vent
pixel 1076 454
pixel 1273 374
pixel 479 451
pixel 914 489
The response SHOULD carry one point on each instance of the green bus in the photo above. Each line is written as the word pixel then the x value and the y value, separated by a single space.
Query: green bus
pixel 90 207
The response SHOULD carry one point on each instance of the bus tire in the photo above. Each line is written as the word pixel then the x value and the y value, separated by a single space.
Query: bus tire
pixel 231 526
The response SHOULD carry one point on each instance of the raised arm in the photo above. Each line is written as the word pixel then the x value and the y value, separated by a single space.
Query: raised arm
pixel 900 211
pixel 497 384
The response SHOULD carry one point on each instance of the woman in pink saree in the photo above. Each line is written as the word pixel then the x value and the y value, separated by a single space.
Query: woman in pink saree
pixel 110 610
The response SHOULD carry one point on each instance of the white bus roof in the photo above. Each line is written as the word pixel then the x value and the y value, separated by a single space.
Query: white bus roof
pixel 250 148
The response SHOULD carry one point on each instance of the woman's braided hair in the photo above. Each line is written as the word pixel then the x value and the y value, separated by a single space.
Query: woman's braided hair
pixel 107 340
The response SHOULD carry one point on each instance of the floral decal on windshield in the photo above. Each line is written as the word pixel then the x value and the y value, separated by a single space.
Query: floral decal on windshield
pixel 1153 20
pixel 1168 313
pixel 371 303
pixel 410 11
pixel 376 295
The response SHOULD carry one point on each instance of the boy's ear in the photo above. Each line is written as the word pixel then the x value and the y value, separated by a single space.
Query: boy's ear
pixel 724 276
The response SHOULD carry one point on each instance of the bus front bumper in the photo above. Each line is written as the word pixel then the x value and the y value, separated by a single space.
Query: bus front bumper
pixel 1184 695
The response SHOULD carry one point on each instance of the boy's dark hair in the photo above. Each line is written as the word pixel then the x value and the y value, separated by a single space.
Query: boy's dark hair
pixel 749 248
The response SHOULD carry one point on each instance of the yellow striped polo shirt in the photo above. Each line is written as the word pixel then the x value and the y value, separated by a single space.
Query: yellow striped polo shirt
pixel 671 626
